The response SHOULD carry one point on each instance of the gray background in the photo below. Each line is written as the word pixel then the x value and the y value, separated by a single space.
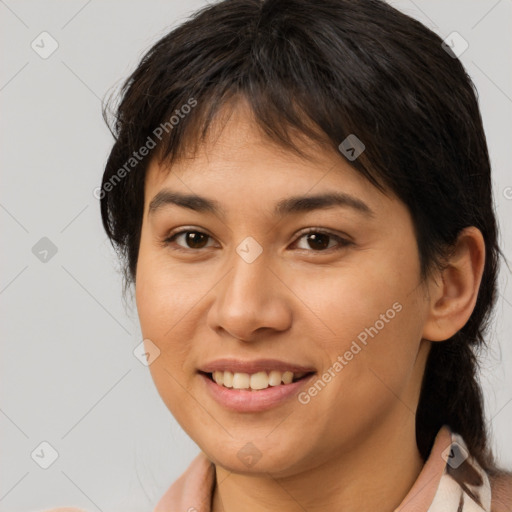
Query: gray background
pixel 68 374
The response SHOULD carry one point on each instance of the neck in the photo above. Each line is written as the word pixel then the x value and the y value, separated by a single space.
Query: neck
pixel 376 474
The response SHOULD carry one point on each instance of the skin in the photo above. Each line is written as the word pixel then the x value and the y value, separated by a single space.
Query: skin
pixel 302 305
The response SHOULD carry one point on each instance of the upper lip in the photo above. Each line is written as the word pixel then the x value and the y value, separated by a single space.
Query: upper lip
pixel 258 365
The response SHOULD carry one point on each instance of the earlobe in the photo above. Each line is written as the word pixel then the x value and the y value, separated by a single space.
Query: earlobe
pixel 452 298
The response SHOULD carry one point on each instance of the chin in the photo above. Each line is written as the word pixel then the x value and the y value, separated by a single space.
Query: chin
pixel 258 456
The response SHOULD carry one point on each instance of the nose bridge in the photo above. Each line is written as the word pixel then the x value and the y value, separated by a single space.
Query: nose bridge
pixel 247 281
pixel 248 298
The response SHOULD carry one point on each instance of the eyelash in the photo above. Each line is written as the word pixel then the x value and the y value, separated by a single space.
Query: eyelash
pixel 343 243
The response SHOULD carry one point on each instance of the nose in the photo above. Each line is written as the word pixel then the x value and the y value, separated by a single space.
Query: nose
pixel 251 301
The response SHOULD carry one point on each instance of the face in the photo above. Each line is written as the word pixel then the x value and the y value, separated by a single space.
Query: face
pixel 332 289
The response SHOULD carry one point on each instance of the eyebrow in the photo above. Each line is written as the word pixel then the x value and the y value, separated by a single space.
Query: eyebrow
pixel 288 206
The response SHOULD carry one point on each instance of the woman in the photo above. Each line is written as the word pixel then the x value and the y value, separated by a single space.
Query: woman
pixel 301 193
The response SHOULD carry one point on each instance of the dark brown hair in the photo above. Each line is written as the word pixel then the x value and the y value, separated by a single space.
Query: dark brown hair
pixel 328 69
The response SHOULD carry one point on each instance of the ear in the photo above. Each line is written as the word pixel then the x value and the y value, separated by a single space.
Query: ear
pixel 452 298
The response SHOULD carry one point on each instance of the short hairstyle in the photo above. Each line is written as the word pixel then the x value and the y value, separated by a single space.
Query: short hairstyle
pixel 327 69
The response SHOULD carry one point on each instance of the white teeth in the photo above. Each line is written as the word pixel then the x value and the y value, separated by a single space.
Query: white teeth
pixel 287 377
pixel 227 379
pixel 241 381
pixel 259 380
pixel 218 377
pixel 255 381
pixel 274 379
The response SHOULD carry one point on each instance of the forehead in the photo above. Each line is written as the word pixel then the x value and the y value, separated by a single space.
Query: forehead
pixel 238 160
pixel 233 138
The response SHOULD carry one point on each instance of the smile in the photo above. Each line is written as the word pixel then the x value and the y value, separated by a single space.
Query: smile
pixel 255 381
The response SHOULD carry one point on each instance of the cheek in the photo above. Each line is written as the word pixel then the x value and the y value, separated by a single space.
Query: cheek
pixel 164 295
pixel 162 307
pixel 374 317
pixel 347 300
pixel 368 370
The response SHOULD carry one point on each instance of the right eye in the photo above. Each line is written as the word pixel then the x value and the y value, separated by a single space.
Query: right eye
pixel 192 240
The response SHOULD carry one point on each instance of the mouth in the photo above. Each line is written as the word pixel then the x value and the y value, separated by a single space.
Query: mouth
pixel 257 381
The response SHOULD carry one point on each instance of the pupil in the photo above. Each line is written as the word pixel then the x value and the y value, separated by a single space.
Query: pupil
pixel 317 238
pixel 194 239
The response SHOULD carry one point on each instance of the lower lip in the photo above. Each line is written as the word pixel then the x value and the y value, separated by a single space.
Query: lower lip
pixel 243 400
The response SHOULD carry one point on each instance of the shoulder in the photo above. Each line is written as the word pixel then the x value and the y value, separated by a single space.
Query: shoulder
pixel 501 492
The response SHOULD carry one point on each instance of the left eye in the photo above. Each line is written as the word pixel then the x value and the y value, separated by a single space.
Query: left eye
pixel 317 240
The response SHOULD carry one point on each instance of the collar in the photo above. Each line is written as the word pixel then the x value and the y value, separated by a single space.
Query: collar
pixel 451 481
